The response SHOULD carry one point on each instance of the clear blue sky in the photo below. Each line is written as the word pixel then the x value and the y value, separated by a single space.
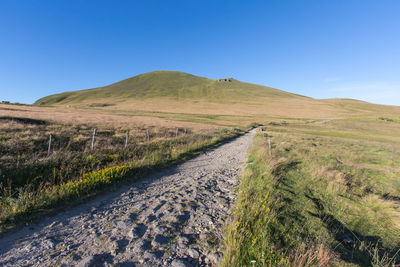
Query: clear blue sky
pixel 320 48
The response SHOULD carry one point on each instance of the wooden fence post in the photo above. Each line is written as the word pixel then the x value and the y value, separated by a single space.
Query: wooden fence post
pixel 269 146
pixel 126 138
pixel 49 148
pixel 93 138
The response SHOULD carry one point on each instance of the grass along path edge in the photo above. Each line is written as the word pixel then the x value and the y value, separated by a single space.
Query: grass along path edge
pixel 290 214
pixel 30 206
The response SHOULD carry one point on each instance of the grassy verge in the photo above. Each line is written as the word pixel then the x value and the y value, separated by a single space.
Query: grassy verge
pixel 316 201
pixel 30 200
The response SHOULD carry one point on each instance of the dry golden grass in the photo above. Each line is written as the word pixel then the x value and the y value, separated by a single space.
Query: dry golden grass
pixel 96 117
pixel 264 106
pixel 314 255
pixel 162 111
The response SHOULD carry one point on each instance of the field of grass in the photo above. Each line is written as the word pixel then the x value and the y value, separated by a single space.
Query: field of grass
pixel 98 117
pixel 328 195
pixel 32 183
pixel 171 84
pixel 189 98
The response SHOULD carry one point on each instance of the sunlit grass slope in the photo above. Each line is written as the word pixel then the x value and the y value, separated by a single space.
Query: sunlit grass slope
pixel 327 195
pixel 177 95
pixel 170 84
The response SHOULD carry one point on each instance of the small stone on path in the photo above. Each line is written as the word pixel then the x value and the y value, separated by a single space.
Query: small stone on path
pixel 180 263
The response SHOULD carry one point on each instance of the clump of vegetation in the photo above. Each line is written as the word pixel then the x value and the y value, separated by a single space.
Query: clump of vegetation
pixel 254 125
pixel 387 119
pixel 318 200
pixel 281 123
pixel 31 180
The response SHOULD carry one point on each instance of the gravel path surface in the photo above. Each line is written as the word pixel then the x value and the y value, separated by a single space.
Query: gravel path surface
pixel 173 218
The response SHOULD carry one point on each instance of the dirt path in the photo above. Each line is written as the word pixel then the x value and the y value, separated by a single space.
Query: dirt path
pixel 173 218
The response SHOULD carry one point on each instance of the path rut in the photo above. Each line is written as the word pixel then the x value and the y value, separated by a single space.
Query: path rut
pixel 172 218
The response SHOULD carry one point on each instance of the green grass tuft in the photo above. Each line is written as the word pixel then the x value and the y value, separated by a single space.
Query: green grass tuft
pixel 319 200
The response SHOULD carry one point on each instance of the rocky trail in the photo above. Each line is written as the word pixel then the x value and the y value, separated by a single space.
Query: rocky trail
pixel 173 218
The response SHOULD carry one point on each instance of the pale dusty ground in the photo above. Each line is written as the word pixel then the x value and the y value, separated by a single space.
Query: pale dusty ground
pixel 173 218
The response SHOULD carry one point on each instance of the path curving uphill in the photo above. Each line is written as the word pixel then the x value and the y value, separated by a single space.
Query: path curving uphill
pixel 173 218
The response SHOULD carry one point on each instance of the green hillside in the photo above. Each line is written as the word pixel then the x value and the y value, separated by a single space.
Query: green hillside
pixel 169 84
pixel 180 96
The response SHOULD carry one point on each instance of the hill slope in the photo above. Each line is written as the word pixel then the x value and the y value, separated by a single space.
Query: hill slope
pixel 169 84
pixel 182 93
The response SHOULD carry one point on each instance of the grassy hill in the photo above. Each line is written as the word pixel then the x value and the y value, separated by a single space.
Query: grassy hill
pixel 168 84
pixel 185 97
